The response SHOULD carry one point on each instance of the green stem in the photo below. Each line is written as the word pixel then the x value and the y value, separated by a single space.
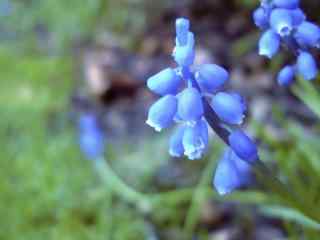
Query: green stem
pixel 144 202
pixel 269 179
pixel 199 194
pixel 116 185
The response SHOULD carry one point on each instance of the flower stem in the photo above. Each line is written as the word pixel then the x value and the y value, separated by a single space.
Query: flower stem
pixel 200 194
pixel 143 201
pixel 269 179
pixel 116 185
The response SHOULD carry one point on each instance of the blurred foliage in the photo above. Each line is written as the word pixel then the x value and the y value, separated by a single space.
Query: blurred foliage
pixel 56 25
pixel 297 160
pixel 309 94
pixel 47 189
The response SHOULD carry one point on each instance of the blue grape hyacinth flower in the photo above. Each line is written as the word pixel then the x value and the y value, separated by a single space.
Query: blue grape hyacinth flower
pixel 285 24
pixel 162 112
pixel 193 98
pixel 243 146
pixel 91 137
pixel 286 75
pixel 230 107
pixel 190 107
pixel 195 140
pixel 281 21
pixel 261 18
pixel 269 44
pixel 307 66
pixel 231 173
pixel 165 82
pixel 183 90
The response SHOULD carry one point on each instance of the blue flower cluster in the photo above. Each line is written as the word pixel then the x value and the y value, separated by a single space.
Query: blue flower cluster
pixel 181 90
pixel 91 137
pixel 191 96
pixel 284 23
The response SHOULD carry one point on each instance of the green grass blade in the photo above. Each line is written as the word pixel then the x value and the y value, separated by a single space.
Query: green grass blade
pixel 289 214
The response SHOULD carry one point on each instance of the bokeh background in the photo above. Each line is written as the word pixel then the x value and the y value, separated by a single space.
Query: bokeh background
pixel 61 59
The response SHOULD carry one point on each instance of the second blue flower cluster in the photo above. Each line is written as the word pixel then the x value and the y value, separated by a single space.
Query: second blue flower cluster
pixel 181 92
pixel 284 23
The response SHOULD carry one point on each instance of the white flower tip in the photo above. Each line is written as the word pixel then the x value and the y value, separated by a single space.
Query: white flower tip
pixel 241 120
pixel 265 53
pixel 153 125
pixel 174 154
pixel 222 191
pixel 193 154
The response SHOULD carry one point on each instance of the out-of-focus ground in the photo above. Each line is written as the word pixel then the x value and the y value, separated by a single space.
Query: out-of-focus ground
pixel 59 59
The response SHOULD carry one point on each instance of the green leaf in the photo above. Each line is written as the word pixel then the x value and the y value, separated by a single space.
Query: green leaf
pixel 290 214
pixel 308 94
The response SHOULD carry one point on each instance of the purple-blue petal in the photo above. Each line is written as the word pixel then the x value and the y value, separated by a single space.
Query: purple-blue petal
pixel 231 173
pixel 308 34
pixel 286 75
pixel 243 146
pixel 195 140
pixel 184 54
pixel 91 137
pixel 211 77
pixel 229 107
pixel 162 112
pixel 281 21
pixel 261 18
pixel 307 66
pixel 298 16
pixel 269 43
pixel 190 107
pixel 165 82
pixel 182 29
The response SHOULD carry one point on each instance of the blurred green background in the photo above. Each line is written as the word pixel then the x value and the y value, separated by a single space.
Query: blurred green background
pixel 59 58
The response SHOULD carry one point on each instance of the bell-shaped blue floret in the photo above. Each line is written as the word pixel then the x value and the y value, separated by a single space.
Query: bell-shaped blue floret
pixel 195 140
pixel 229 107
pixel 281 21
pixel 190 107
pixel 298 16
pixel 231 173
pixel 162 112
pixel 165 82
pixel 243 146
pixel 91 137
pixel 261 18
pixel 211 77
pixel 176 148
pixel 306 66
pixel 182 29
pixel 308 34
pixel 184 54
pixel 286 75
pixel 290 4
pixel 269 44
